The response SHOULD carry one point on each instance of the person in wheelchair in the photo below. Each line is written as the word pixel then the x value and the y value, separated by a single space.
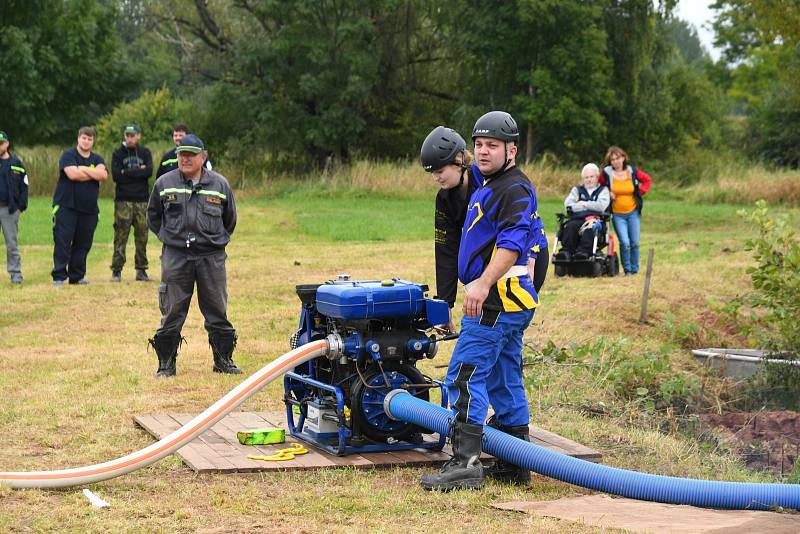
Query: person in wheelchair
pixel 585 206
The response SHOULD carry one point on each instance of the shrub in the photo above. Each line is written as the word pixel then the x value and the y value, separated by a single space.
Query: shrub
pixel 645 382
pixel 771 311
pixel 649 381
pixel 156 112
pixel 773 387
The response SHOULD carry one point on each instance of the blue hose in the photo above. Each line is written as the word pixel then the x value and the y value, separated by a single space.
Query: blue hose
pixel 646 487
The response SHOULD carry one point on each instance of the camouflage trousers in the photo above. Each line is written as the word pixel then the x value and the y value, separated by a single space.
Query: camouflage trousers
pixel 127 214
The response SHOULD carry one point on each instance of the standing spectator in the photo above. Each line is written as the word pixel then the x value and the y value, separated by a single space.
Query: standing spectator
pixel 75 210
pixel 169 161
pixel 131 167
pixel 193 212
pixel 486 367
pixel 627 185
pixel 13 201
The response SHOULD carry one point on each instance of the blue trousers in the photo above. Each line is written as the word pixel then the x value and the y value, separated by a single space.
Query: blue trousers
pixel 486 368
pixel 628 228
pixel 73 233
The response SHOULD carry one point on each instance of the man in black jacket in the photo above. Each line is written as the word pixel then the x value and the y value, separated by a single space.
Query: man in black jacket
pixel 13 201
pixel 131 167
pixel 169 161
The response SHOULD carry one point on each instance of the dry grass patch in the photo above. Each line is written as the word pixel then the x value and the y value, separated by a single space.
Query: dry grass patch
pixel 76 369
pixel 745 184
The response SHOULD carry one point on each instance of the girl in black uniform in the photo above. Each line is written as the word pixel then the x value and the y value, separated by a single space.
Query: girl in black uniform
pixel 444 154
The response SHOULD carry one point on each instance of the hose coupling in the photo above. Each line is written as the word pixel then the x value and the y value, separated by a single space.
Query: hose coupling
pixel 387 400
pixel 335 346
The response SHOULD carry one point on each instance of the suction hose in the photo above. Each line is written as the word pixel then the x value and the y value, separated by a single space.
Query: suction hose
pixel 169 444
pixel 402 406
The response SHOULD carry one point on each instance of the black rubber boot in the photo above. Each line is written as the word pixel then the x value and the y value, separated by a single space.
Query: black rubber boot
pixel 222 345
pixel 166 347
pixel 506 472
pixel 464 469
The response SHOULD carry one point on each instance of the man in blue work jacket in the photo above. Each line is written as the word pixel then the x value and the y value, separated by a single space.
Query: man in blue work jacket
pixel 13 201
pixel 486 367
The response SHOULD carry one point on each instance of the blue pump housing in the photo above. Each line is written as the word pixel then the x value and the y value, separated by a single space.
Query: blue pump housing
pixel 382 328
pixel 374 299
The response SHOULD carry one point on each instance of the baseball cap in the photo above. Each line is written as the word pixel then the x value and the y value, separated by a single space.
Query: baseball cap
pixel 190 143
pixel 131 128
pixel 3 136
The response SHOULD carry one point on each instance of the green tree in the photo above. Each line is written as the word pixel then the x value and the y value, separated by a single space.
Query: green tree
pixel 735 29
pixel 664 106
pixel 543 61
pixel 761 37
pixel 777 20
pixel 311 81
pixel 62 65
pixel 684 35
pixel 567 78
pixel 300 78
pixel 630 27
pixel 416 88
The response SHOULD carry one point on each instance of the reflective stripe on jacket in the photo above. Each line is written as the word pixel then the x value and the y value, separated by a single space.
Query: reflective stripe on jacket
pixel 16 178
pixel 197 217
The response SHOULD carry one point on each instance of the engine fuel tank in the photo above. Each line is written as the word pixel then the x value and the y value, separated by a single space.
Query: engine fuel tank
pixel 370 299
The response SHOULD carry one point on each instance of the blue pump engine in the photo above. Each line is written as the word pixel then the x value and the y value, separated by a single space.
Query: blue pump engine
pixel 378 328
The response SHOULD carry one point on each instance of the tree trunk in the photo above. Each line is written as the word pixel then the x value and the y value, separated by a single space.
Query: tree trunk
pixel 529 143
pixel 529 137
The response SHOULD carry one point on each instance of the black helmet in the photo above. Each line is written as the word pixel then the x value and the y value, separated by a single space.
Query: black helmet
pixel 440 148
pixel 497 125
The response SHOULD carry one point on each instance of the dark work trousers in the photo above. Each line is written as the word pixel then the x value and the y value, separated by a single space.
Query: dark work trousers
pixel 574 242
pixel 180 271
pixel 73 233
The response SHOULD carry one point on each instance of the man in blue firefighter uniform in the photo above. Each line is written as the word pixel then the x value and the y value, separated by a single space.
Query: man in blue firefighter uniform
pixel 486 367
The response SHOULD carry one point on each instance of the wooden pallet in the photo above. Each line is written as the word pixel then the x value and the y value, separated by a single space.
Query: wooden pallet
pixel 218 451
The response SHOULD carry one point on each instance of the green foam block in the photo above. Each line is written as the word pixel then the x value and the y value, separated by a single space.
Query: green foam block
pixel 261 436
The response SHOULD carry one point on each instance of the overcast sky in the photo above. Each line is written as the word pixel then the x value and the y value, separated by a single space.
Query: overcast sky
pixel 697 13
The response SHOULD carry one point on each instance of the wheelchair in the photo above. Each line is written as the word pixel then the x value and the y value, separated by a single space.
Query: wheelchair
pixel 603 260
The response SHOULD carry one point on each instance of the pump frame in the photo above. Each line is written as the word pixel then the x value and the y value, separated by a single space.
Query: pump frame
pixel 341 448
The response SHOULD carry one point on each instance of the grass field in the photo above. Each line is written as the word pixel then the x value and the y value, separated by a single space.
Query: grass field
pixel 76 369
